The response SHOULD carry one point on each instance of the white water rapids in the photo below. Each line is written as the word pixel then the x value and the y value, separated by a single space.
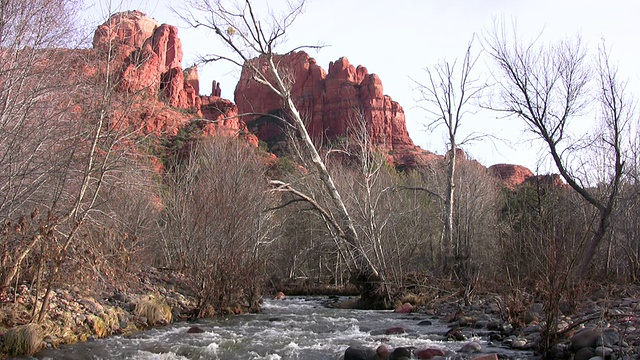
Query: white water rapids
pixel 295 328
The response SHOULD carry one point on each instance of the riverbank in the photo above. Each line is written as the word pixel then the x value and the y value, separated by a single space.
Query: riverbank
pixel 76 314
pixel 606 322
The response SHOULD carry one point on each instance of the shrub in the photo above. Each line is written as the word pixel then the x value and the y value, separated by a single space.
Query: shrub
pixel 154 309
pixel 97 325
pixel 23 339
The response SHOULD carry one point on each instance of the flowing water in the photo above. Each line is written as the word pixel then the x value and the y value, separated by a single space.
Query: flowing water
pixel 295 328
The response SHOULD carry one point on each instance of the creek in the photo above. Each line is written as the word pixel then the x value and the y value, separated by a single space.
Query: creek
pixel 294 328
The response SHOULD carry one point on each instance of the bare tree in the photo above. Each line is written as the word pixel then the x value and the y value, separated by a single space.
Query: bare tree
pixel 449 93
pixel 216 223
pixel 549 86
pixel 248 36
pixel 34 107
pixel 62 143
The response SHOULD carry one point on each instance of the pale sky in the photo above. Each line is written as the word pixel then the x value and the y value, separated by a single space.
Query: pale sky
pixel 398 40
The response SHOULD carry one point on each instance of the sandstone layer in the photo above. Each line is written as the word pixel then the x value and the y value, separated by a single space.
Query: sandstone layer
pixel 146 58
pixel 333 103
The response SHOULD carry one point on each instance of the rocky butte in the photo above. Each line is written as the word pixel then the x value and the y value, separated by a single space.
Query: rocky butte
pixel 334 103
pixel 147 59
pixel 513 175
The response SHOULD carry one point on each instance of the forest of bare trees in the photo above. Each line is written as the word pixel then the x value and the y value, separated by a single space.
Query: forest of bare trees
pixel 81 196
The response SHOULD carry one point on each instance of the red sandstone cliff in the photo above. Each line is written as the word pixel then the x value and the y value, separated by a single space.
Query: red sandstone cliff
pixel 514 175
pixel 331 102
pixel 147 59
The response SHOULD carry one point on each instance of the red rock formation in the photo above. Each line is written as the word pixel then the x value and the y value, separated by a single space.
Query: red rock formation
pixel 510 175
pixel 331 102
pixel 515 175
pixel 222 119
pixel 192 78
pixel 215 89
pixel 129 28
pixel 166 43
pixel 149 58
pixel 550 179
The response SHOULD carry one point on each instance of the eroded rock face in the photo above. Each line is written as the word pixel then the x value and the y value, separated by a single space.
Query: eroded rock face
pixel 550 179
pixel 156 68
pixel 514 175
pixel 510 175
pixel 192 78
pixel 129 28
pixel 147 59
pixel 332 103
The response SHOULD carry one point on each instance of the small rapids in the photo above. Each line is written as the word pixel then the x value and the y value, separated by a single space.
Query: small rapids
pixel 295 328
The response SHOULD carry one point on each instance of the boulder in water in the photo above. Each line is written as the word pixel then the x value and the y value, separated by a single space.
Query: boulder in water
pixel 195 330
pixel 400 353
pixel 394 330
pixel 428 353
pixel 359 353
pixel 487 357
pixel 365 353
pixel 471 347
pixel 405 308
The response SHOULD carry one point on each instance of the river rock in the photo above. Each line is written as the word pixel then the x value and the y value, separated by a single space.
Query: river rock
pixel 531 329
pixel 487 357
pixel 585 338
pixel 609 338
pixel 382 352
pixel 405 308
pixel 195 330
pixel 455 334
pixel 91 305
pixel 584 353
pixel 400 353
pixel 428 353
pixel 519 343
pixel 603 351
pixel 425 323
pixel 359 353
pixel 471 347
pixel 394 330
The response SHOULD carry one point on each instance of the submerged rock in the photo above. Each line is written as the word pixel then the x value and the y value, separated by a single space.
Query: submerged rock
pixel 471 347
pixel 195 330
pixel 428 353
pixel 400 353
pixel 359 353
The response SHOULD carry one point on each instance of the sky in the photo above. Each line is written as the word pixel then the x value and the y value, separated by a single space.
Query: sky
pixel 398 40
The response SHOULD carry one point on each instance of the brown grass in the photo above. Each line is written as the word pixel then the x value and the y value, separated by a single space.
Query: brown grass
pixel 154 309
pixel 23 339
